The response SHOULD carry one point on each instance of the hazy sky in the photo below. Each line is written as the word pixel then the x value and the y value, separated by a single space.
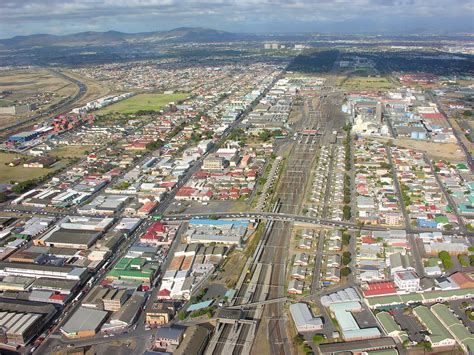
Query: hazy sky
pixel 19 17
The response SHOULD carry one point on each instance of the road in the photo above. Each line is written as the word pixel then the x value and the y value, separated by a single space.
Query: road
pixel 448 196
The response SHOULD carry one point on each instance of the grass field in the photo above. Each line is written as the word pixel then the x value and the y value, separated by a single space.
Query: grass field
pixel 5 103
pixel 72 151
pixel 19 173
pixel 143 102
pixel 356 83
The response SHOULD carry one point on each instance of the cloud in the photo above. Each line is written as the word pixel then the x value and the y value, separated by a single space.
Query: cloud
pixel 66 16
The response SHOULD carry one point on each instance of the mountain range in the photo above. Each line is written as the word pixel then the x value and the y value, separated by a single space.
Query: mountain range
pixel 177 35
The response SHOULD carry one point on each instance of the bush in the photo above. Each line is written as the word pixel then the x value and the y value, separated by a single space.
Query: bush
pixel 298 339
pixel 318 338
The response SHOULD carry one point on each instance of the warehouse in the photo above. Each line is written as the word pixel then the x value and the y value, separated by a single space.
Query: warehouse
pixel 70 238
pixel 64 287
pixel 16 283
pixel 129 312
pixel 216 231
pixel 23 320
pixel 303 319
pixel 137 269
pixel 39 271
pixel 24 136
pixel 85 322
pixel 349 327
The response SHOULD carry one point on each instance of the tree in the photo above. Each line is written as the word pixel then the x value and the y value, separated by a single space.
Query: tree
pixel 448 227
pixel 346 211
pixel 346 237
pixel 345 271
pixel 3 197
pixel 346 258
pixel 446 259
pixel 264 135
pixel 23 186
pixel 182 314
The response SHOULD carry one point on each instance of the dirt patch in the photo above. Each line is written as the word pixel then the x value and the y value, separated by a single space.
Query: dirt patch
pixel 449 151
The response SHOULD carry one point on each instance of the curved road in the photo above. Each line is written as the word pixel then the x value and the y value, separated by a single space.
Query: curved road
pixel 61 107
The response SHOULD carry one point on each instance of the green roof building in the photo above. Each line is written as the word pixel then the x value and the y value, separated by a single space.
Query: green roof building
pixel 392 301
pixel 391 327
pixel 460 333
pixel 137 269
pixel 439 335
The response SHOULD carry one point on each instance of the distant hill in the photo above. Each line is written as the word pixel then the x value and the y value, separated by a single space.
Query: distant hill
pixel 182 34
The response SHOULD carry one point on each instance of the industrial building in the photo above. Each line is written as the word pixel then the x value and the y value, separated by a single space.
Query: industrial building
pixel 85 322
pixel 349 326
pixel 42 271
pixel 24 136
pixel 216 231
pixel 75 232
pixel 137 269
pixel 303 319
pixel 129 312
pixel 194 342
pixel 21 321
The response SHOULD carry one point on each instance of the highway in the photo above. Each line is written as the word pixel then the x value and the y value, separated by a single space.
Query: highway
pixel 61 107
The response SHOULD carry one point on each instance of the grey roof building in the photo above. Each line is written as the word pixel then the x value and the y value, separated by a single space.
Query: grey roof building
pixel 84 322
pixel 303 319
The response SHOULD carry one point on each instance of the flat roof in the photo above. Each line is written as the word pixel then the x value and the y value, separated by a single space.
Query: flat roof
pixel 218 222
pixel 84 319
pixel 200 305
pixel 72 236
pixel 173 332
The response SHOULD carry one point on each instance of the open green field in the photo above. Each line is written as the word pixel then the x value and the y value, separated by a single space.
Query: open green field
pixel 72 151
pixel 362 83
pixel 143 102
pixel 5 103
pixel 19 173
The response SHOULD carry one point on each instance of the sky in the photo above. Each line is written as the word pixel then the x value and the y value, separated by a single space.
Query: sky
pixel 23 17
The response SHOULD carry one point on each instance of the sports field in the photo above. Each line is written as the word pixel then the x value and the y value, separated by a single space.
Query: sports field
pixel 144 102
